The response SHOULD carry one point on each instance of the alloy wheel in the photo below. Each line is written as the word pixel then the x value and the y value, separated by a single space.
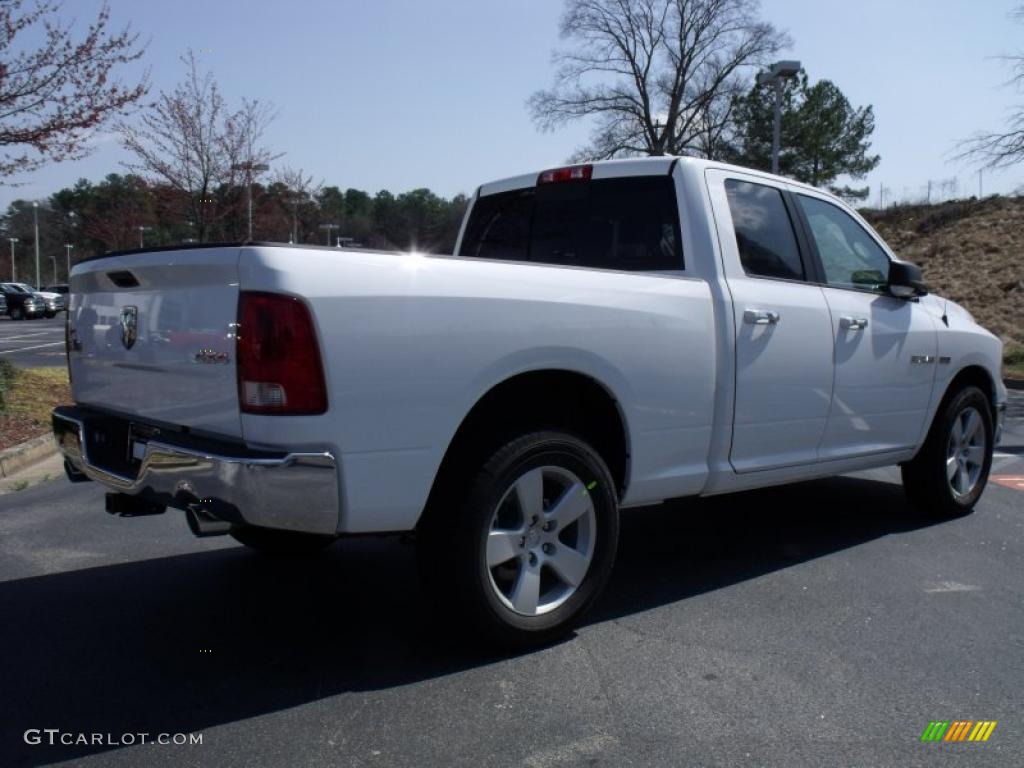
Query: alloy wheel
pixel 965 452
pixel 540 543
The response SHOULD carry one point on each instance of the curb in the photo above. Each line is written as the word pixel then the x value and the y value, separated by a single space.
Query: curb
pixel 1014 383
pixel 24 454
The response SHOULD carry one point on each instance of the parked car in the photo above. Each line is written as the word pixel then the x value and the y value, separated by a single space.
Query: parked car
pixel 21 303
pixel 52 302
pixel 3 304
pixel 62 288
pixel 606 336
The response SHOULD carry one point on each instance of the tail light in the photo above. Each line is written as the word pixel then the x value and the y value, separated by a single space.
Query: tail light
pixel 279 367
pixel 569 173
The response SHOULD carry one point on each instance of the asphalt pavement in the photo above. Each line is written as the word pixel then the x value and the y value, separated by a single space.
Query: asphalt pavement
pixel 823 623
pixel 33 343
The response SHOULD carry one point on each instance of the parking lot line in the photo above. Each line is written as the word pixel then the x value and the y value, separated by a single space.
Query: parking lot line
pixel 24 341
pixel 29 335
pixel 26 349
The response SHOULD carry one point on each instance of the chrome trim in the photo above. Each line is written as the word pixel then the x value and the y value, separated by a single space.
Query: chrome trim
pixel 760 317
pixel 296 491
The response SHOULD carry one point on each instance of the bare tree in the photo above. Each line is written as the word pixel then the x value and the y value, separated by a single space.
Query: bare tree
pixel 190 140
pixel 301 191
pixel 715 128
pixel 56 90
pixel 655 74
pixel 1000 149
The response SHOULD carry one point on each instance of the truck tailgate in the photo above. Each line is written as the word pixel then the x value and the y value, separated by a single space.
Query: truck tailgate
pixel 152 334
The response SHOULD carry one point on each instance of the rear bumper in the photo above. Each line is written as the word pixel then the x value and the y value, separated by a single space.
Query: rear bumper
pixel 286 490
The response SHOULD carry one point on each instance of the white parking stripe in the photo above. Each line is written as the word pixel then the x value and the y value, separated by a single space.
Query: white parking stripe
pixel 26 349
pixel 15 339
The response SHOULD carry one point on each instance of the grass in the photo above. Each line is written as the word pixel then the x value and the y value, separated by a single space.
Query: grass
pixel 27 396
pixel 33 392
pixel 7 374
pixel 1013 362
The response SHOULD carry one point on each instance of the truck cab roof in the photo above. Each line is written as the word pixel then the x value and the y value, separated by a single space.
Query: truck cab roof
pixel 631 166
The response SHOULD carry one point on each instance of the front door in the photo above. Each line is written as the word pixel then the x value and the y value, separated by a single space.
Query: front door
pixel 885 347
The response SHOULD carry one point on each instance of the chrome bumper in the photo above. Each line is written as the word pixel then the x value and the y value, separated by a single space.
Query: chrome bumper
pixel 292 491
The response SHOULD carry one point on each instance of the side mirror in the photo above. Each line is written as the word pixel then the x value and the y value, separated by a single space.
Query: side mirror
pixel 905 280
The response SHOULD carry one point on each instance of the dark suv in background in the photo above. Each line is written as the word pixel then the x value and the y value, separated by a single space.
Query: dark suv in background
pixel 21 303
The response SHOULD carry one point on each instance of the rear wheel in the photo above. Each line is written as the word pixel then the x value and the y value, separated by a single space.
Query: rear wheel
pixel 526 544
pixel 949 473
pixel 272 541
pixel 17 313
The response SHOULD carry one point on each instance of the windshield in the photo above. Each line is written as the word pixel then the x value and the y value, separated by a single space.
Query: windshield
pixel 25 287
pixel 14 288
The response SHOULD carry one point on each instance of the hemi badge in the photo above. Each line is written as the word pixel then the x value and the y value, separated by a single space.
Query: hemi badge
pixel 921 359
pixel 209 357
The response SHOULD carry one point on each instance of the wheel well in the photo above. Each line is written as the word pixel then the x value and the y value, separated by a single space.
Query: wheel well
pixel 977 376
pixel 562 400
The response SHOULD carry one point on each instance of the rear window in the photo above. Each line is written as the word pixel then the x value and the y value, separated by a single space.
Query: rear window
pixel 764 231
pixel 626 224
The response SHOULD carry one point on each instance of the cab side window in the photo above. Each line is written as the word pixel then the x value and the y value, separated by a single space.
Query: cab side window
pixel 764 231
pixel 850 256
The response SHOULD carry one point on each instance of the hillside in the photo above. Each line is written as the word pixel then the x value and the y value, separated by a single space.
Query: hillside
pixel 971 251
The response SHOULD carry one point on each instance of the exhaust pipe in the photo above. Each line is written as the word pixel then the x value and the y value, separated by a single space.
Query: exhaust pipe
pixel 204 523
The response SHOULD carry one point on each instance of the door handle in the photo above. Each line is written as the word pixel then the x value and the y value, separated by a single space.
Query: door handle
pixel 760 317
pixel 853 323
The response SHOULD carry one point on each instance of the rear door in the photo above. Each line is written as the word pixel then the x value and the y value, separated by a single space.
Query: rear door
pixel 152 335
pixel 783 342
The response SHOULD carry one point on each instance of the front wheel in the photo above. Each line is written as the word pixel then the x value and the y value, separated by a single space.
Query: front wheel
pixel 949 473
pixel 50 315
pixel 272 541
pixel 17 313
pixel 526 545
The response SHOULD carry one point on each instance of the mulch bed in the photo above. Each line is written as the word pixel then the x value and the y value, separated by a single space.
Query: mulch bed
pixel 18 429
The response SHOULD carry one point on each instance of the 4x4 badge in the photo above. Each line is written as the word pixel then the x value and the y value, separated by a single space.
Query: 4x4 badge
pixel 129 325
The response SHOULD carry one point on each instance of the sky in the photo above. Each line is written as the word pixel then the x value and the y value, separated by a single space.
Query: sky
pixel 400 94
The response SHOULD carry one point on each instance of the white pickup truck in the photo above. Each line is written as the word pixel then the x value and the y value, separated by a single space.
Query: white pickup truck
pixel 605 336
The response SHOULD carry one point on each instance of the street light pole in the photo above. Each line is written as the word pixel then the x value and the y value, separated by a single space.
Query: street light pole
pixel 777 125
pixel 296 201
pixel 249 167
pixel 14 268
pixel 35 214
pixel 248 192
pixel 142 229
pixel 68 247
pixel 781 70
pixel 327 232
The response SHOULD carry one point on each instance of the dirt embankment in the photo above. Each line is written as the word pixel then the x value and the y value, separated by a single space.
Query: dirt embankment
pixel 971 251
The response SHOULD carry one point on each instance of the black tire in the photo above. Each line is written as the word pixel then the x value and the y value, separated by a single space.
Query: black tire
pixel 50 315
pixel 17 313
pixel 925 479
pixel 452 540
pixel 271 541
